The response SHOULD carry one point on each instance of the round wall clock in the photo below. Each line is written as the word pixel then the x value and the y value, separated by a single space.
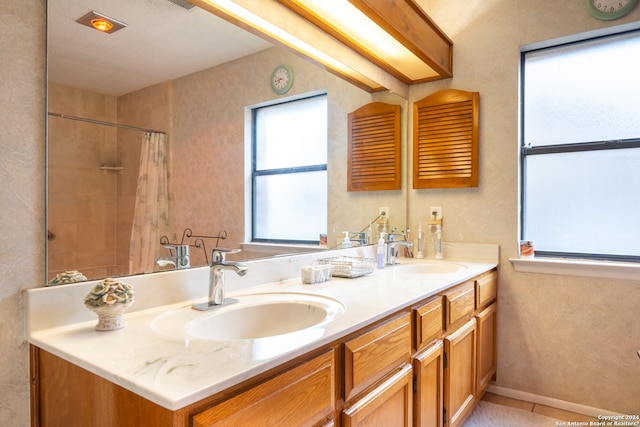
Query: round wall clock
pixel 281 79
pixel 610 9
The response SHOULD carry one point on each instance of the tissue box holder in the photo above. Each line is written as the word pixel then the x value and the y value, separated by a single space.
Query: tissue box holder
pixel 315 273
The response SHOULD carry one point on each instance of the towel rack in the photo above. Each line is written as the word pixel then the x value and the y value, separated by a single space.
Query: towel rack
pixel 198 240
pixel 106 169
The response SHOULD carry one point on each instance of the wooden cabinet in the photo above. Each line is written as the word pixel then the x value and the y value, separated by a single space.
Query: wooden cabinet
pixel 428 322
pixel 486 360
pixel 428 363
pixel 486 289
pixel 389 404
pixel 486 309
pixel 372 355
pixel 469 348
pixel 424 364
pixel 460 373
pixel 302 396
pixel 63 394
pixel 428 386
pixel 378 380
pixel 460 304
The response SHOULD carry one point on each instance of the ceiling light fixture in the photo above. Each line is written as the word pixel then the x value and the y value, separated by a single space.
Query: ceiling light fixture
pixel 397 36
pixel 410 49
pixel 101 22
pixel 101 25
pixel 245 14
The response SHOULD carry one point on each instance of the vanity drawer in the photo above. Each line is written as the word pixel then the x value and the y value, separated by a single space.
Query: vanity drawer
pixel 374 354
pixel 486 289
pixel 460 303
pixel 428 321
pixel 304 395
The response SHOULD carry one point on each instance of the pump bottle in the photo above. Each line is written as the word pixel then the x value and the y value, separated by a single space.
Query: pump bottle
pixel 346 243
pixel 420 253
pixel 381 251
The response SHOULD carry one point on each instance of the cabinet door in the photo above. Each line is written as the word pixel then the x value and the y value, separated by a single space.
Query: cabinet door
pixel 460 373
pixel 374 354
pixel 66 395
pixel 487 363
pixel 486 289
pixel 428 322
pixel 388 405
pixel 428 387
pixel 303 396
pixel 460 304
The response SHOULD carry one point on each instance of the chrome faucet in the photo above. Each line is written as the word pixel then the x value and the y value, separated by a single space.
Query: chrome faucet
pixel 180 260
pixel 392 251
pixel 216 278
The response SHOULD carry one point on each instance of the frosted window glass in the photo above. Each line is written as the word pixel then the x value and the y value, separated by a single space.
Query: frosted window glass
pixel 585 92
pixel 291 206
pixel 289 171
pixel 584 202
pixel 582 199
pixel 292 134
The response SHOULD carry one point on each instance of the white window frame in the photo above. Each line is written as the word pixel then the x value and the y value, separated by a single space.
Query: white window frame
pixel 262 245
pixel 561 263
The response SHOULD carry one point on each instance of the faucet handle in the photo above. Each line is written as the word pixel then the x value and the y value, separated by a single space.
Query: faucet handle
pixel 181 250
pixel 218 254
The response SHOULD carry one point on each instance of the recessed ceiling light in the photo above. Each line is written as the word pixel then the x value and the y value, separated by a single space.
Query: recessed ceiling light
pixel 101 22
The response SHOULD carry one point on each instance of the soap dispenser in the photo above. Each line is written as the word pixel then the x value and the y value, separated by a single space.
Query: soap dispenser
pixel 420 253
pixel 381 251
pixel 346 243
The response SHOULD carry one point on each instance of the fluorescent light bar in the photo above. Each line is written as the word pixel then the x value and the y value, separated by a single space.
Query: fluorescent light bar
pixel 251 19
pixel 345 18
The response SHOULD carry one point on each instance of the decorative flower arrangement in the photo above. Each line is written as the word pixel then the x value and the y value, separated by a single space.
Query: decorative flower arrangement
pixel 109 292
pixel 109 299
pixel 71 276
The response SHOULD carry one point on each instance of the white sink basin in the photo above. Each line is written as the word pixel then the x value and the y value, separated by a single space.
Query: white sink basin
pixel 255 316
pixel 431 267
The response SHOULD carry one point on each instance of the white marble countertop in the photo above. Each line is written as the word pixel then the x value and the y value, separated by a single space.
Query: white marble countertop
pixel 174 372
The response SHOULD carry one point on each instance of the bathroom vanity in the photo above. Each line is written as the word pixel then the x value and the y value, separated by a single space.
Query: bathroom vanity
pixel 413 344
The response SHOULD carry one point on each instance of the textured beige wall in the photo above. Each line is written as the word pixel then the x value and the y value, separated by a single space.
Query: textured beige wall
pixel 22 196
pixel 207 149
pixel 568 338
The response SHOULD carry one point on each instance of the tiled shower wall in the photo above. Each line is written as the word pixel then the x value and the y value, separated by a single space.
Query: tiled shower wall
pixel 83 200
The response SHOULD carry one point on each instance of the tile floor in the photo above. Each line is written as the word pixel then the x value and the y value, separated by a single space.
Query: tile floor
pixel 559 414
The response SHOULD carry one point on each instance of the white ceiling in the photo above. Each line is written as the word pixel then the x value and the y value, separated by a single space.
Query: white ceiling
pixel 162 41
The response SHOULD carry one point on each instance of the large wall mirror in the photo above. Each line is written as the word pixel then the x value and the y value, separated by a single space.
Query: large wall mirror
pixel 192 76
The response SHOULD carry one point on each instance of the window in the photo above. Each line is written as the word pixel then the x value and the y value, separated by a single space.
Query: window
pixel 580 156
pixel 289 171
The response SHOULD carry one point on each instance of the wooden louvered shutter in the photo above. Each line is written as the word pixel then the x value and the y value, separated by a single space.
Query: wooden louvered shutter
pixel 374 148
pixel 445 140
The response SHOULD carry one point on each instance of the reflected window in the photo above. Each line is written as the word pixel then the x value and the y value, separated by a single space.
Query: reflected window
pixel 289 171
pixel 580 155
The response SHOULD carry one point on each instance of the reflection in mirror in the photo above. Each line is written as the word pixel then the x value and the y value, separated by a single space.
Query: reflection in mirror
pixel 143 78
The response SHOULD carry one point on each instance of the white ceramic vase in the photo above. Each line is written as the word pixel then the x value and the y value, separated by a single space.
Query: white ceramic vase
pixel 110 316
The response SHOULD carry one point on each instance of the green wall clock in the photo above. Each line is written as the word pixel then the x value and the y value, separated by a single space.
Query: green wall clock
pixel 607 10
pixel 281 79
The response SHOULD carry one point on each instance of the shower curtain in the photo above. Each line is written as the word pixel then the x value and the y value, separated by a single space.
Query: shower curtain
pixel 151 217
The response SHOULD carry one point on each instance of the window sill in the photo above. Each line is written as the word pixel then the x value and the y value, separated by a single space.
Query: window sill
pixel 271 249
pixel 578 267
